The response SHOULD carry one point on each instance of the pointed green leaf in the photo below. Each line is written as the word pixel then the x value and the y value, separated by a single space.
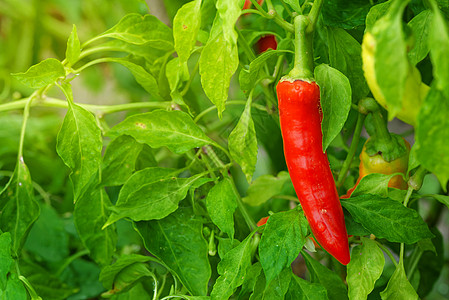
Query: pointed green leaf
pixel 232 269
pixel 42 74
pixel 345 54
pixel 79 145
pixel 399 288
pixel 283 238
pixel 152 200
pixel 432 134
pixel 14 289
pixel 265 187
pixel 177 240
pixel 186 25
pixel 5 258
pixel 301 289
pixel 366 266
pixel 420 26
pixel 335 287
pixel 19 208
pixel 73 50
pixel 391 50
pixel 229 12
pixel 221 203
pixel 387 218
pixel 335 94
pixel 136 29
pixel 439 50
pixel 173 129
pixel 243 143
pixel 119 160
pixel 218 62
pixel 91 212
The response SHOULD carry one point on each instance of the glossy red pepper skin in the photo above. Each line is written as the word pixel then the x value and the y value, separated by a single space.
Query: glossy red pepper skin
pixel 300 117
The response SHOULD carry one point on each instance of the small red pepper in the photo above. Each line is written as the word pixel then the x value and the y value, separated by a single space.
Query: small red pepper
pixel 248 3
pixel 300 117
pixel 266 42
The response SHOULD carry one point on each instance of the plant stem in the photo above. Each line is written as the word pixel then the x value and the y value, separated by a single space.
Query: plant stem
pixel 26 115
pixel 69 260
pixel 248 219
pixel 231 102
pixel 352 150
pixel 105 109
pixel 387 252
pixel 93 62
pixel 303 64
pixel 313 14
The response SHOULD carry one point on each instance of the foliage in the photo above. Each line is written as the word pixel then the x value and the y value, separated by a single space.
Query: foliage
pixel 136 156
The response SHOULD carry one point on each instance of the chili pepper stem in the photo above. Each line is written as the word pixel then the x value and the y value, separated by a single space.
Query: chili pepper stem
pixel 303 64
pixel 352 150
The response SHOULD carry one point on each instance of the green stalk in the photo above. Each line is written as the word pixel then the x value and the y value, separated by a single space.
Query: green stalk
pixel 314 13
pixel 105 109
pixel 303 64
pixel 352 150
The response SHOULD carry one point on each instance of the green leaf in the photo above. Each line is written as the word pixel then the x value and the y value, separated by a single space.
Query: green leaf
pixel 248 78
pixel 73 50
pixel 110 272
pixel 138 291
pixel 442 198
pixel 265 187
pixel 431 264
pixel 42 74
pixel 375 13
pixel 250 280
pixel 335 94
pixel 127 278
pixel 221 203
pixel 431 134
pixel 420 26
pixel 14 289
pixel 390 51
pixel 5 258
pixel 243 143
pixel 155 199
pixel 283 238
pixel 177 240
pixel 232 270
pixel 142 76
pixel 173 129
pixel 345 14
pixel 366 266
pixel 48 238
pixel 136 29
pixel 46 284
pixel 399 288
pixel 276 289
pixel 439 50
pixel 374 183
pixel 301 289
pixel 90 213
pixel 345 55
pixel 79 145
pixel 19 208
pixel 336 289
pixel 295 5
pixel 387 218
pixel 119 160
pixel 229 12
pixel 186 25
pixel 218 62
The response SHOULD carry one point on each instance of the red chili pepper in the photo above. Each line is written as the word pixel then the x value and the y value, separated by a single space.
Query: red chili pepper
pixel 300 117
pixel 248 3
pixel 266 42
pixel 262 221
